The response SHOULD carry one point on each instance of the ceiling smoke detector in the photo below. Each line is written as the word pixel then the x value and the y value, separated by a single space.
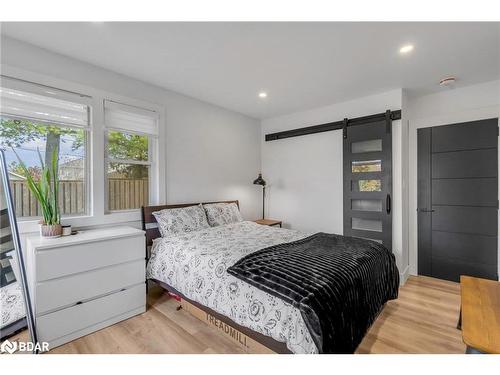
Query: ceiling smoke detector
pixel 447 82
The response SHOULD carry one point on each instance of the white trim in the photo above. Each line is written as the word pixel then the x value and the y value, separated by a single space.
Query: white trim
pixel 403 276
pixel 130 161
pixel 128 131
pixel 96 215
pixel 457 117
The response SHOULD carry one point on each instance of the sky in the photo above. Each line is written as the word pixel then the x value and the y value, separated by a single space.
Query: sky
pixel 28 151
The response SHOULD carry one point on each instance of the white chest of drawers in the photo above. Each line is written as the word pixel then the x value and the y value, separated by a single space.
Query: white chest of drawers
pixel 85 282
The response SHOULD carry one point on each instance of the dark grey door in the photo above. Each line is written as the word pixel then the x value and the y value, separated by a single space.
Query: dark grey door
pixel 458 200
pixel 368 182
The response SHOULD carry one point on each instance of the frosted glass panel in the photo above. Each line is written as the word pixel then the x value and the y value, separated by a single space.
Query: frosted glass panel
pixel 366 166
pixel 366 205
pixel 367 224
pixel 366 146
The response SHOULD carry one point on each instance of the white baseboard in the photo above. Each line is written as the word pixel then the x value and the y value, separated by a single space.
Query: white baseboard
pixel 403 276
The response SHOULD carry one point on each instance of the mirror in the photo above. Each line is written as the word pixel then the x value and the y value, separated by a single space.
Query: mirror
pixel 15 305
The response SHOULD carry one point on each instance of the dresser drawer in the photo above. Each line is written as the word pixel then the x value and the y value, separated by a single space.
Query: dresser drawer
pixel 64 322
pixel 62 261
pixel 65 291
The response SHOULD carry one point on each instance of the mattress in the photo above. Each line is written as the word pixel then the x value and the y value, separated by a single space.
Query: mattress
pixel 196 265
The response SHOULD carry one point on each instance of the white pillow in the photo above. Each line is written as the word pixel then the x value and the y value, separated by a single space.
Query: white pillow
pixel 222 213
pixel 173 221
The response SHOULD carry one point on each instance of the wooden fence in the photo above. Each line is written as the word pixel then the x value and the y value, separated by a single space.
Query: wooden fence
pixel 123 194
pixel 127 194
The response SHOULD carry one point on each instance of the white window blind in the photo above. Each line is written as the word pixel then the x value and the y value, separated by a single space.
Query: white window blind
pixel 130 119
pixel 32 106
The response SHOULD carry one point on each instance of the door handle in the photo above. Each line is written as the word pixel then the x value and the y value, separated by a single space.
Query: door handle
pixel 388 203
pixel 424 210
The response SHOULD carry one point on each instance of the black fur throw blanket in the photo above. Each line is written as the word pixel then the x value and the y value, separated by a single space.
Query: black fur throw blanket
pixel 339 284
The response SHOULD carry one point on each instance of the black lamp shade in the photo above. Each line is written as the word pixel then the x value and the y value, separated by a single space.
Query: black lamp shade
pixel 259 180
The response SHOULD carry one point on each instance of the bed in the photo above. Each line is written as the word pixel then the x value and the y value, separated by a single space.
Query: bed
pixel 204 268
pixel 13 316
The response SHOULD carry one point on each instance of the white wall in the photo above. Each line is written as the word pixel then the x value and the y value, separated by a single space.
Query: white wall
pixel 211 153
pixel 305 173
pixel 469 103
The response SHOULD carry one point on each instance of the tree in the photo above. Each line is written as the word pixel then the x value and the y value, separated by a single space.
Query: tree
pixel 34 171
pixel 121 146
pixel 15 132
pixel 128 147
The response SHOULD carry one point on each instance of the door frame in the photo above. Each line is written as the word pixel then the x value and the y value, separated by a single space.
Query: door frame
pixel 427 122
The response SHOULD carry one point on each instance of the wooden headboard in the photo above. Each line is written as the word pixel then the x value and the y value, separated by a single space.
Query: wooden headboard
pixel 150 225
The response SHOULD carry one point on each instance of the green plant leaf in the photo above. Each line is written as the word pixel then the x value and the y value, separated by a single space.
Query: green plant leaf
pixel 55 184
pixel 46 189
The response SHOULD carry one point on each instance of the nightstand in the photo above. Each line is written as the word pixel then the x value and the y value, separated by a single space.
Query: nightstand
pixel 268 222
pixel 85 282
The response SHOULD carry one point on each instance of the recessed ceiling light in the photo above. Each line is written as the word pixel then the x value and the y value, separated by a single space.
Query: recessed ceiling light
pixel 406 48
pixel 262 95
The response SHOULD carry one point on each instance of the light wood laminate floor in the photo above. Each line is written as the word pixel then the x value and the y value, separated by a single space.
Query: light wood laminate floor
pixel 422 320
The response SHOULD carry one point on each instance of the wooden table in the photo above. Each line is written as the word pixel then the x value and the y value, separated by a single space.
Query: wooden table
pixel 480 314
pixel 269 222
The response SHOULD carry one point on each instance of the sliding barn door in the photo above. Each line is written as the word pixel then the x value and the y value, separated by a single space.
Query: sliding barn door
pixel 368 182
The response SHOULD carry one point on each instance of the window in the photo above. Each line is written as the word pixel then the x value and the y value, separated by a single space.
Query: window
pixel 372 145
pixel 366 224
pixel 366 166
pixel 108 152
pixel 130 134
pixel 373 205
pixel 33 126
pixel 367 185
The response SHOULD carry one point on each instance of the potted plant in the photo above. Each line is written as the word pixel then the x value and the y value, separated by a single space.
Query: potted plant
pixel 46 191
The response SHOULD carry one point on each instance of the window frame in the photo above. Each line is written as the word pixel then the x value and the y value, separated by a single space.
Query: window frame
pixel 87 175
pixel 52 92
pixel 149 163
pixel 96 215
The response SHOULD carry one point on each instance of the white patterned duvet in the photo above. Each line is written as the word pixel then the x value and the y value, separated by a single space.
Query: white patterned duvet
pixel 195 264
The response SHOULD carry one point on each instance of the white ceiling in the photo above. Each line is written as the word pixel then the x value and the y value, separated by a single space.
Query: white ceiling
pixel 299 65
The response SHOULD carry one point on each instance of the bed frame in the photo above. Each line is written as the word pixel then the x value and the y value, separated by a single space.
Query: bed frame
pixel 248 340
pixel 12 328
